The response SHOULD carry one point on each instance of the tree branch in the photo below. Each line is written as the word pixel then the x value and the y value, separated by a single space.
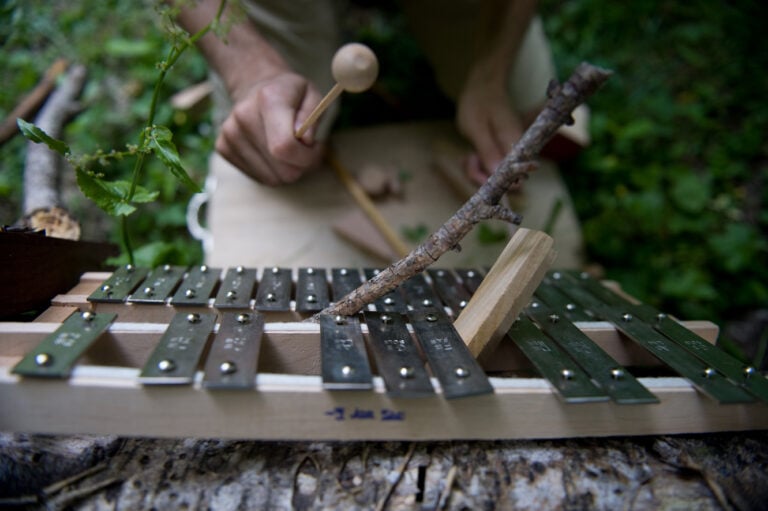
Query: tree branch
pixel 42 165
pixel 563 99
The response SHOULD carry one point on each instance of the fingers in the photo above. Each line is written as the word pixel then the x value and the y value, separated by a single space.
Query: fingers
pixel 492 133
pixel 474 169
pixel 311 100
pixel 258 136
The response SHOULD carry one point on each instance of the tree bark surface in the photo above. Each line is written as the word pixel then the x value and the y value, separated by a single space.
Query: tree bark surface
pixel 706 472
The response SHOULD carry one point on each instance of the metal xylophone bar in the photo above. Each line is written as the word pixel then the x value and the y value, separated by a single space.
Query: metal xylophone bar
pixel 717 362
pixel 575 366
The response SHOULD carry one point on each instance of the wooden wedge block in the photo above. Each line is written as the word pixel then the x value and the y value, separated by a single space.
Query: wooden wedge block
pixel 505 290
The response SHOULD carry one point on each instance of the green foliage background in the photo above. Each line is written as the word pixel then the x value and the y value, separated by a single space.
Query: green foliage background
pixel 672 191
pixel 120 43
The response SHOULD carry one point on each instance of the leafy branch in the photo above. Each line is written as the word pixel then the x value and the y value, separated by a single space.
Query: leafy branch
pixel 120 198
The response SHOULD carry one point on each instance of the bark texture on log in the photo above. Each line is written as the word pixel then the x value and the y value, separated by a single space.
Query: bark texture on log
pixel 708 472
pixel 485 204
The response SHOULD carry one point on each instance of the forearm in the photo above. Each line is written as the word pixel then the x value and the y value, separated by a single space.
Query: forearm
pixel 503 28
pixel 242 57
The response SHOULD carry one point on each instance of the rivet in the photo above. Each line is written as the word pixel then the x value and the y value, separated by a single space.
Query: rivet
pixel 228 367
pixel 204 268
pixel 88 316
pixel 310 271
pixel 470 273
pixel 43 359
pixel 389 300
pixel 166 365
pixel 567 374
pixel 661 316
pixel 386 319
pixel 340 320
pixel 462 304
pixel 149 291
pixel 749 371
pixel 243 318
pixel 231 295
pixel 461 372
pixel 709 372
pixel 557 275
pixel 271 297
pixel 617 373
pixel 106 287
pixel 440 273
pixel 167 268
pixel 311 298
pixel 347 371
pixel 554 318
pixel 570 307
pixel 431 317
pixel 406 372
pixel 239 269
pixel 535 305
pixel 426 302
pixel 129 268
pixel 190 293
pixel 626 317
pixel 343 272
pixel 275 270
pixel 193 317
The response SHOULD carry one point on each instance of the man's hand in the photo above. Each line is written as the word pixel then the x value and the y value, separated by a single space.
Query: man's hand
pixel 270 101
pixel 258 136
pixel 487 120
pixel 485 115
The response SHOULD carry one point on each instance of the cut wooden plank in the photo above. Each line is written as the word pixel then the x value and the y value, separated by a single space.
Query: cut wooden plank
pixel 356 228
pixel 109 400
pixel 193 97
pixel 366 204
pixel 505 290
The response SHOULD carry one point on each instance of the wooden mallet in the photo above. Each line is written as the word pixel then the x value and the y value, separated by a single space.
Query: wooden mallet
pixel 355 68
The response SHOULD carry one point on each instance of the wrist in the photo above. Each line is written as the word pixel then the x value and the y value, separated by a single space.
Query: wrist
pixel 488 74
pixel 242 57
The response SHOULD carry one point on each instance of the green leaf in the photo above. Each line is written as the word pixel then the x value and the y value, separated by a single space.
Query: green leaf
pixel 415 234
pixel 112 196
pixel 688 284
pixel 738 246
pixel 119 47
pixel 487 235
pixel 38 136
pixel 691 192
pixel 161 143
pixel 156 253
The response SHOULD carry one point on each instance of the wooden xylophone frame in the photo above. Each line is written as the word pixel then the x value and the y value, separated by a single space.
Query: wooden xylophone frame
pixel 103 394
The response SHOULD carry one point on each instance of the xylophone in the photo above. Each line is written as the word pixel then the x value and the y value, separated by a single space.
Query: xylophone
pixel 205 352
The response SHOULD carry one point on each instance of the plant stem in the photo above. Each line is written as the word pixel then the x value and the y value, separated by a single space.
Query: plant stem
pixel 126 238
pixel 173 55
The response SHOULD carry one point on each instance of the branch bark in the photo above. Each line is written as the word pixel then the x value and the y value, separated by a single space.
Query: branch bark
pixel 484 204
pixel 41 168
pixel 30 104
